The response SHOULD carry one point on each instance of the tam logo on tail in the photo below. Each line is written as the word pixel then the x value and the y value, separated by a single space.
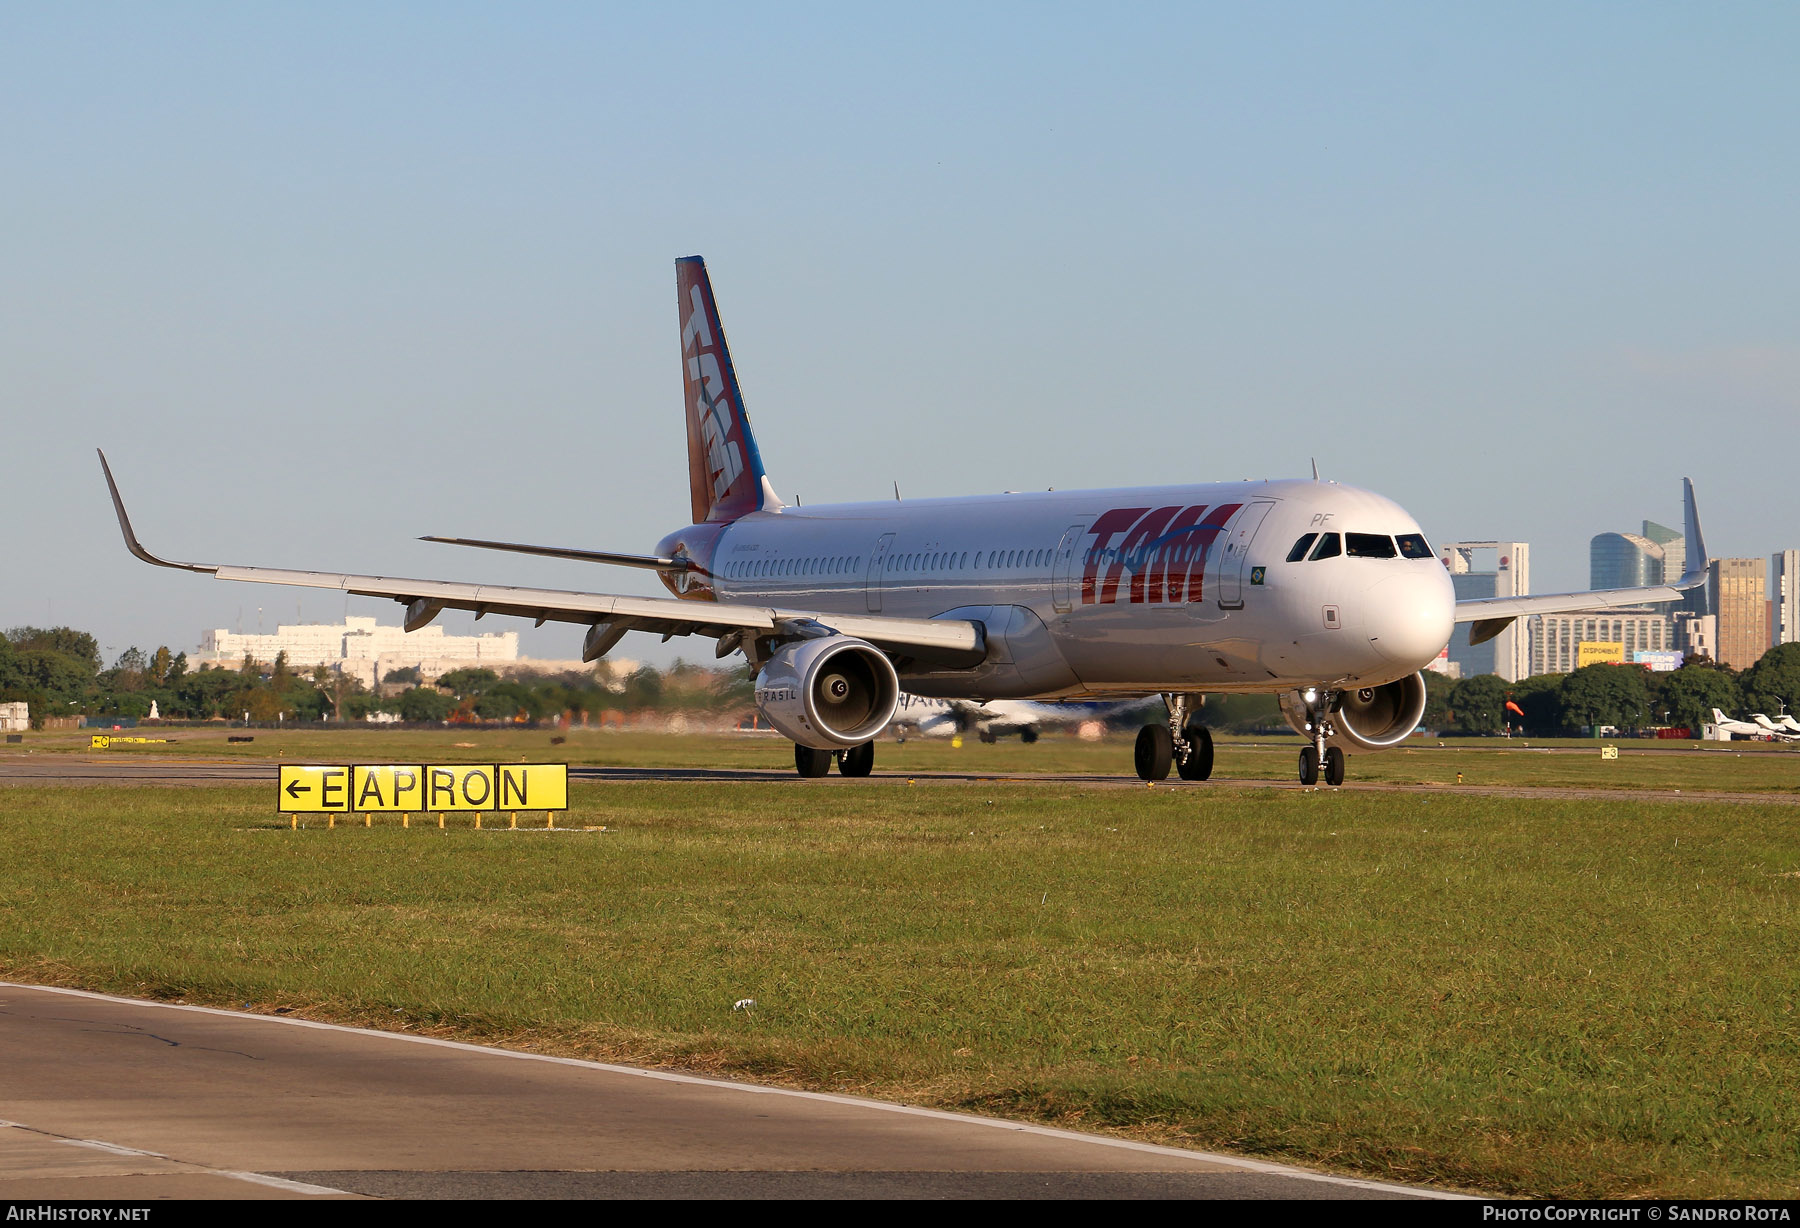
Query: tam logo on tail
pixel 725 473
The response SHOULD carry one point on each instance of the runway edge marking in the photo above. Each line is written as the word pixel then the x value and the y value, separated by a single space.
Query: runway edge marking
pixel 94 1144
pixel 669 1076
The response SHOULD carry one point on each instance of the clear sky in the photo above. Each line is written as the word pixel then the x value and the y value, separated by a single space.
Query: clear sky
pixel 322 278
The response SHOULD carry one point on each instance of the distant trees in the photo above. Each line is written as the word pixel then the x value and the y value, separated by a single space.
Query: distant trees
pixel 79 645
pixel 1437 699
pixel 1606 695
pixel 1479 703
pixel 1689 694
pixel 1625 696
pixel 423 704
pixel 468 683
pixel 1773 683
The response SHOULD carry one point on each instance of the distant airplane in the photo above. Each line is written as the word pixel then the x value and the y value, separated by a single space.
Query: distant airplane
pixel 999 717
pixel 1777 729
pixel 1758 726
pixel 1325 595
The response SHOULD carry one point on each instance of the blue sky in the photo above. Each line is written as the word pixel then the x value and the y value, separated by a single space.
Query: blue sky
pixel 324 278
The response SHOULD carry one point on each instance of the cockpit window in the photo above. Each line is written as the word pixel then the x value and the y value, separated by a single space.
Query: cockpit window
pixel 1369 545
pixel 1300 548
pixel 1414 546
pixel 1328 548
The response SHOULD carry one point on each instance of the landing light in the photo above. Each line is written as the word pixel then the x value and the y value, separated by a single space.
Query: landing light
pixel 1309 695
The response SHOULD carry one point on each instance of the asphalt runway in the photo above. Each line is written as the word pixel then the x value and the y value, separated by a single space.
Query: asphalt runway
pixel 130 768
pixel 111 1098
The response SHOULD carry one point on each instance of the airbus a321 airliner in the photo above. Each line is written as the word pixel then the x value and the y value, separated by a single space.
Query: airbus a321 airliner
pixel 1323 594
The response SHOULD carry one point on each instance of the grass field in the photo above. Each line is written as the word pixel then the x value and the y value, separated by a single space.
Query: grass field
pixel 1546 997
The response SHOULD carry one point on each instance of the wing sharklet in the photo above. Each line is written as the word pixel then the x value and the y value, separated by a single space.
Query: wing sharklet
pixel 131 542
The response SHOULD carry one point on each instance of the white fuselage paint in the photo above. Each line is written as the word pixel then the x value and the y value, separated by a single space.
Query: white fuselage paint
pixel 1021 563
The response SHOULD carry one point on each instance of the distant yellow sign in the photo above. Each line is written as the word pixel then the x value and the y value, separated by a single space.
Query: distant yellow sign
pixel 422 788
pixel 1599 652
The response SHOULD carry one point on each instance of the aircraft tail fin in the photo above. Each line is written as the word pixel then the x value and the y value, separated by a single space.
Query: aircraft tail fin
pixel 1696 563
pixel 725 470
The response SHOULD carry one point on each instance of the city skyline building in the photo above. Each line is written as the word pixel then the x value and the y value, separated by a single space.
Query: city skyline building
pixel 363 648
pixel 1784 596
pixel 1556 639
pixel 1697 635
pixel 1674 548
pixel 1623 560
pixel 1735 592
pixel 1507 654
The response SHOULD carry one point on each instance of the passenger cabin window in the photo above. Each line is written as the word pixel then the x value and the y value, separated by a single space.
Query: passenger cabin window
pixel 1301 547
pixel 1329 547
pixel 1369 546
pixel 1414 546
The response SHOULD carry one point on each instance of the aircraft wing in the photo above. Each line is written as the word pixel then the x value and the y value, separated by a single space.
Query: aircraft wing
pixel 608 616
pixel 654 562
pixel 1492 614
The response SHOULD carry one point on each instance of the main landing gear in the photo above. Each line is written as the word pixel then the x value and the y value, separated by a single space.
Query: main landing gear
pixel 857 761
pixel 1159 747
pixel 1320 706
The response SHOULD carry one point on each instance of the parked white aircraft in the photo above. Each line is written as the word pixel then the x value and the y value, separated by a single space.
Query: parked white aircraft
pixel 999 717
pixel 1326 595
pixel 1776 728
pixel 1758 726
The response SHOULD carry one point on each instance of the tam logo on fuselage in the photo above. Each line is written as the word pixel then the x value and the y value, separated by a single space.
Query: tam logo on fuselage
pixel 710 404
pixel 1162 549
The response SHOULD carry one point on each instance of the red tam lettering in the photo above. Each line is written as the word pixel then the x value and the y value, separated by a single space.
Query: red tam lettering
pixel 1115 521
pixel 1203 540
pixel 1170 567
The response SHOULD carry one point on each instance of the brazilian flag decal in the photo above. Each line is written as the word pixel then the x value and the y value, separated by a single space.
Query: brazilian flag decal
pixel 1256 574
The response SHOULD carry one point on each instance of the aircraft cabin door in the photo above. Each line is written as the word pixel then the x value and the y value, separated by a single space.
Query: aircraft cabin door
pixel 1062 583
pixel 877 572
pixel 1233 551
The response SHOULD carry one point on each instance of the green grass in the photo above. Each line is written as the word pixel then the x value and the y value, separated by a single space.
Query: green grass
pixel 1554 998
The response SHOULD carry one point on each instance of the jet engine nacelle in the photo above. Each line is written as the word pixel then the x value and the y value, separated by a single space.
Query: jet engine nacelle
pixel 830 693
pixel 1368 718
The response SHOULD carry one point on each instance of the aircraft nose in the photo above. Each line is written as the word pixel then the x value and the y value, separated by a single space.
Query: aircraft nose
pixel 1410 617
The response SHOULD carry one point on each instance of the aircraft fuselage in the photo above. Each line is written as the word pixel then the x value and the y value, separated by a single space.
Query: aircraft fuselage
pixel 1106 592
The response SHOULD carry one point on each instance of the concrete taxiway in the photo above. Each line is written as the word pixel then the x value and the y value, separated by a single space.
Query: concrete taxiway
pixel 132 768
pixel 109 1097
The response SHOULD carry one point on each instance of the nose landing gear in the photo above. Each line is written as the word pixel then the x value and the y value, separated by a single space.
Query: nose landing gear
pixel 1319 709
pixel 1184 744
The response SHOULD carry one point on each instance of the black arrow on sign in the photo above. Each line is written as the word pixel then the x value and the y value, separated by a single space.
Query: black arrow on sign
pixel 294 789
